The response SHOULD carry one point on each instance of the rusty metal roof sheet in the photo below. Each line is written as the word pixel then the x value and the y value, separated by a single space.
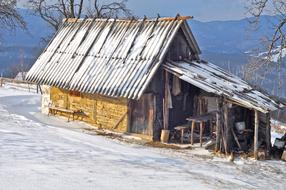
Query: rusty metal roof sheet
pixel 106 56
pixel 213 79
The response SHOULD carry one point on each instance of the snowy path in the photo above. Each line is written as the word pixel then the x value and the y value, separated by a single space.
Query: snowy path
pixel 34 155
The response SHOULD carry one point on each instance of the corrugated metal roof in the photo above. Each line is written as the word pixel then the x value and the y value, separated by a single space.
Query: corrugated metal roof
pixel 106 56
pixel 213 79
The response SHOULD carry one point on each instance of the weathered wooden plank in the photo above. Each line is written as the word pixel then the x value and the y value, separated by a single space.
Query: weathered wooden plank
pixel 143 115
pixel 166 99
pixel 235 138
pixel 218 124
pixel 201 133
pixel 227 131
pixel 256 126
pixel 120 120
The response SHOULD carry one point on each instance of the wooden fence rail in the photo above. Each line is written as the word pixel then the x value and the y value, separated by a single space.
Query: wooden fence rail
pixel 29 86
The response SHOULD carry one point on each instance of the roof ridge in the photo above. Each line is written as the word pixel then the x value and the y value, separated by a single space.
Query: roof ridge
pixel 71 20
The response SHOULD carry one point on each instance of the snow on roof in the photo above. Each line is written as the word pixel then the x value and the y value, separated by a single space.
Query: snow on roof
pixel 107 56
pixel 213 79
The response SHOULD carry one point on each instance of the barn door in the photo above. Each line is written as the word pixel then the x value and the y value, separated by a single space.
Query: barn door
pixel 142 115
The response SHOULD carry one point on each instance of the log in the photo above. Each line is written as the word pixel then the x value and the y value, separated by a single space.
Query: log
pixel 256 125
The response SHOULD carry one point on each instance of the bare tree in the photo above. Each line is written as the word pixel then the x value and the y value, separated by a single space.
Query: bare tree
pixel 9 17
pixel 109 10
pixel 273 7
pixel 270 64
pixel 53 12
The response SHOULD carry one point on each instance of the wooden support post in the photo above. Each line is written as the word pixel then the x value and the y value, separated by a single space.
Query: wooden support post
pixel 182 136
pixel 192 132
pixel 129 116
pixel 268 135
pixel 166 101
pixel 227 131
pixel 218 124
pixel 228 122
pixel 256 126
pixel 201 133
pixel 217 131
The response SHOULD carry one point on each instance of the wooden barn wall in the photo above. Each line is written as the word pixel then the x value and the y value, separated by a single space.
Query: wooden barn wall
pixel 102 111
pixel 151 111
pixel 179 49
pixel 143 115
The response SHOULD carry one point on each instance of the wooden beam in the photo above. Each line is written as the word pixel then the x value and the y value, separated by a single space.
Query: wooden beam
pixel 256 126
pixel 201 133
pixel 129 116
pixel 268 135
pixel 72 20
pixel 176 18
pixel 192 132
pixel 120 120
pixel 227 126
pixel 166 101
pixel 218 124
pixel 235 138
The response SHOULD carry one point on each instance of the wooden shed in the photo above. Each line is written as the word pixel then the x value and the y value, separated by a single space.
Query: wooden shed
pixel 142 76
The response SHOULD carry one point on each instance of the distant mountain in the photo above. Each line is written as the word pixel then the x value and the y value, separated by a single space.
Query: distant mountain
pixel 232 36
pixel 21 46
pixel 36 30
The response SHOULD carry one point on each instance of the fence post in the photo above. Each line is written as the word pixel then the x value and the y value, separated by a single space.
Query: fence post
pixel 1 81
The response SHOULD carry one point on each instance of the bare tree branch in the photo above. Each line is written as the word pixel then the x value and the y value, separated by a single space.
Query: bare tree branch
pixel 261 66
pixel 275 7
pixel 53 12
pixel 113 9
pixel 9 17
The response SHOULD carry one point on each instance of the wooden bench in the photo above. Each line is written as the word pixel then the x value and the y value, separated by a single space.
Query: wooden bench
pixel 182 129
pixel 54 110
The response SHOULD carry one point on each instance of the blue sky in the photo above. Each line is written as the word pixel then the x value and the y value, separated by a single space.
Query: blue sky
pixel 203 10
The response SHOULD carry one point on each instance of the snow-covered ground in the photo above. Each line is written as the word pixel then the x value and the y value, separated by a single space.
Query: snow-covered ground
pixel 38 153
